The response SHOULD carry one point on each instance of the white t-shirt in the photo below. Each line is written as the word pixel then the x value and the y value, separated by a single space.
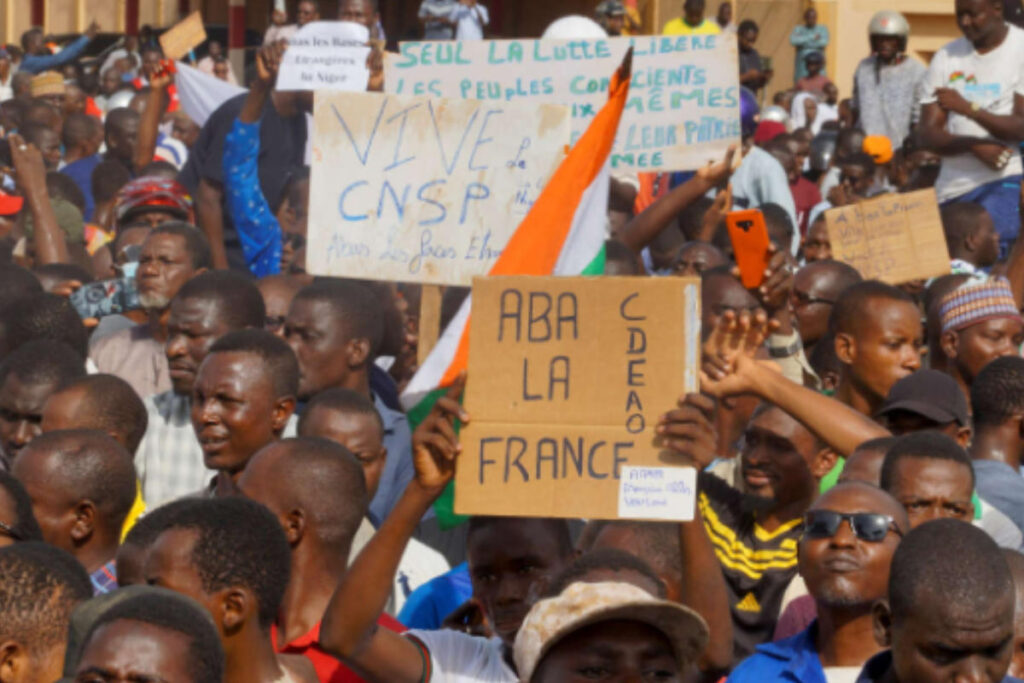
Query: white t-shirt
pixel 842 674
pixel 991 81
pixel 470 26
pixel 459 658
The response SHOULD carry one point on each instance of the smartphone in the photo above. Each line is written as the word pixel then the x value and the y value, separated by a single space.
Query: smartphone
pixel 106 297
pixel 750 243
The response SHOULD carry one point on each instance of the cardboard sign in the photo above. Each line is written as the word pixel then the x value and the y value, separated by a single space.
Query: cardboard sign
pixel 567 380
pixel 326 55
pixel 180 39
pixel 893 238
pixel 683 108
pixel 419 190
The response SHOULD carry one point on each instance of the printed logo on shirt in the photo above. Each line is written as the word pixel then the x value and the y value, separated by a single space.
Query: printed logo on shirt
pixel 748 604
pixel 971 89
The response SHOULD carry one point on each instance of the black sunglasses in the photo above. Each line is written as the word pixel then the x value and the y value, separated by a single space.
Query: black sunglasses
pixel 867 526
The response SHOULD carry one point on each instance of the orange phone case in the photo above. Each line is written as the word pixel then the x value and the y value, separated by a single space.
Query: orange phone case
pixel 750 244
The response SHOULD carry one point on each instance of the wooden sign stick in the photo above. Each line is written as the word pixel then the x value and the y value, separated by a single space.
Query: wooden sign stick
pixel 430 321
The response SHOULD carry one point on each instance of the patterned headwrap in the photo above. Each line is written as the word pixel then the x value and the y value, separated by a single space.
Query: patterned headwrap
pixel 977 301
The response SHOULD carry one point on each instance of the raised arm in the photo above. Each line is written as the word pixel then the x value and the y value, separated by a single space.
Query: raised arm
pixel 348 629
pixel 149 125
pixel 211 220
pixel 49 241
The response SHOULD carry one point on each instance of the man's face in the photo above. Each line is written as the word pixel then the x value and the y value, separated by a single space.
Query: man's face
pixel 319 340
pixel 813 66
pixel 110 81
pixel 831 93
pixel 980 344
pixel 986 240
pixel 53 507
pixel 126 650
pixel 164 266
pixel 901 422
pixel 358 11
pixel 192 328
pixel 306 13
pixel 169 565
pixel 775 457
pixel 357 432
pixel 21 412
pixel 277 297
pixel 694 259
pixel 62 411
pixel 693 11
pixel 978 19
pixel 220 70
pixel 930 488
pixel 811 304
pixel 724 13
pixel 34 45
pixel 723 293
pixel 887 344
pixel 49 144
pixel 123 138
pixel 810 17
pixel 9 516
pixel 855 179
pixel 511 565
pixel 817 246
pixel 150 63
pixel 800 148
pixel 216 49
pixel 620 650
pixel 185 131
pixel 747 39
pixel 943 641
pixel 887 47
pixel 233 410
pixel 152 217
pixel 844 570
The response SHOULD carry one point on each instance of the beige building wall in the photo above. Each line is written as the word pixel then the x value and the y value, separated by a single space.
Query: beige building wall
pixel 73 16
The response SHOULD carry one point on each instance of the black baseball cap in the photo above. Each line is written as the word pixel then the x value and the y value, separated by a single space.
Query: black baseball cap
pixel 931 394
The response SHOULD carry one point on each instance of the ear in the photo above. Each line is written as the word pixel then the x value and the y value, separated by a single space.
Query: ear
pixel 846 348
pixel 881 623
pixel 283 409
pixel 823 462
pixel 963 436
pixel 85 522
pixel 235 606
pixel 14 662
pixel 294 524
pixel 384 454
pixel 358 352
pixel 950 343
pixel 971 240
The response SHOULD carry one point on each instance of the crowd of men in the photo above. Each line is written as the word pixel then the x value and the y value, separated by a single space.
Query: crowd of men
pixel 206 473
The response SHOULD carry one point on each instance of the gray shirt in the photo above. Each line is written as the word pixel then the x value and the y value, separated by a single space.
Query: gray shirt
pixel 438 9
pixel 1002 488
pixel 887 99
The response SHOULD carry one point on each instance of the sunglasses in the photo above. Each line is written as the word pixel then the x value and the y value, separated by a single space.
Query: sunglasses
pixel 867 526
pixel 9 530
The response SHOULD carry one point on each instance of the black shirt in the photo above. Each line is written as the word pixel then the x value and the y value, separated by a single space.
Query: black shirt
pixel 282 148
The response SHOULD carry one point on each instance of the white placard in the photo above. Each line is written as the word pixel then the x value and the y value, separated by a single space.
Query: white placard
pixel 663 493
pixel 326 55
pixel 420 190
pixel 683 107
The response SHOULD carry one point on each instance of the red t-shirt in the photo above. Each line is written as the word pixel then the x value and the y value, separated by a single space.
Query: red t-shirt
pixel 328 669
pixel 806 196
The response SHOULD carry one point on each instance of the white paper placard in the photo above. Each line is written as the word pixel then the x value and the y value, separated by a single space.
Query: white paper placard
pixel 326 55
pixel 665 493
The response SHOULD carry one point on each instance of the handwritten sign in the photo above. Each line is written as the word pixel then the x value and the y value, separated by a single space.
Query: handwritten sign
pixel 326 55
pixel 567 380
pixel 181 38
pixel 420 190
pixel 668 493
pixel 894 238
pixel 683 107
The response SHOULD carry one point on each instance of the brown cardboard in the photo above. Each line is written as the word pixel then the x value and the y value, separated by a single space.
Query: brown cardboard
pixel 183 36
pixel 894 238
pixel 609 358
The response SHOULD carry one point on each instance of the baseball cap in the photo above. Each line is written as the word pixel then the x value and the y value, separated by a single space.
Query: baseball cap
pixel 10 204
pixel 879 148
pixel 929 393
pixel 611 8
pixel 583 604
pixel 768 131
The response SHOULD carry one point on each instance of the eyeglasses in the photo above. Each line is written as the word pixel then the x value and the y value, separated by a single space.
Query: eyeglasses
pixel 9 530
pixel 867 526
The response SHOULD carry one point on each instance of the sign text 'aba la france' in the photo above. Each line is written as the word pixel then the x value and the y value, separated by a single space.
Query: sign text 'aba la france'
pixel 414 189
pixel 683 108
pixel 567 378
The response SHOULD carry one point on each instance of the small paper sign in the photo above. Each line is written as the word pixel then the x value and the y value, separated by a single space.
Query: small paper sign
pixel 664 493
pixel 326 55
pixel 179 40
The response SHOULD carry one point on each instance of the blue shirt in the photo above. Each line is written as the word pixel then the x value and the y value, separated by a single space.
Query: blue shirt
pixel 35 64
pixel 257 226
pixel 792 659
pixel 398 469
pixel 430 604
pixel 104 579
pixel 81 172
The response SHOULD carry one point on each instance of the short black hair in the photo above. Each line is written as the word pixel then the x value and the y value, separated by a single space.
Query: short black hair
pixel 341 400
pixel 118 117
pixel 196 243
pixel 848 313
pixel 27 36
pixel 107 179
pixel 238 543
pixel 44 361
pixel 277 357
pixel 140 537
pixel 997 393
pixel 237 298
pixel 24 526
pixel 16 281
pixel 558 527
pixel 159 167
pixel 923 444
pixel 92 467
pixel 959 221
pixel 861 159
pixel 43 316
pixel 845 275
pixel 660 541
pixel 604 559
pixel 931 559
pixel 79 127
pixel 41 586
pixel 32 130
pixel 354 306
pixel 112 406
pixel 37 106
pixel 64 271
pixel 779 224
pixel 174 612
pixel 617 252
pixel 747 25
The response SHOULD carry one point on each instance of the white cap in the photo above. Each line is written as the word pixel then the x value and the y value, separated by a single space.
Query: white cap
pixel 575 27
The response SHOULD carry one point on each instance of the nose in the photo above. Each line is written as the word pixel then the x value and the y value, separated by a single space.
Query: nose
pixel 25 432
pixel 509 591
pixel 175 346
pixel 147 268
pixel 844 536
pixel 912 357
pixel 208 413
pixel 972 670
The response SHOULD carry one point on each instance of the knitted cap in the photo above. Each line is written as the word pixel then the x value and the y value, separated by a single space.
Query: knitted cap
pixel 47 83
pixel 977 301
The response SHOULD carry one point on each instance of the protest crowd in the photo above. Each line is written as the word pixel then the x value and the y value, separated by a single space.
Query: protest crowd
pixel 229 445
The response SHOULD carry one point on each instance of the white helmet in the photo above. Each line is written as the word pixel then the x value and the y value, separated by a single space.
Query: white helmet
pixel 775 113
pixel 575 27
pixel 122 98
pixel 889 23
